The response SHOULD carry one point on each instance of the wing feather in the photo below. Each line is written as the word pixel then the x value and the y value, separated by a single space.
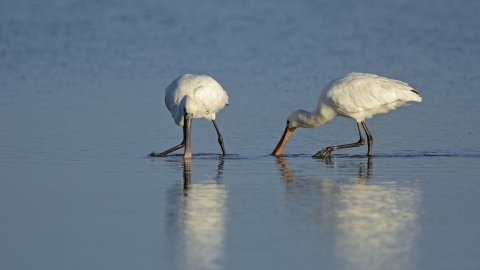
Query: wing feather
pixel 359 92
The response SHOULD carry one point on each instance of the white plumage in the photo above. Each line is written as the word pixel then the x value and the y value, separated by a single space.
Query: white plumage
pixel 194 96
pixel 208 97
pixel 357 96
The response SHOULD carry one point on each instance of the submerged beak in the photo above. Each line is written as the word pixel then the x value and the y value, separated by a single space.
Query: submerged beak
pixel 283 141
pixel 187 127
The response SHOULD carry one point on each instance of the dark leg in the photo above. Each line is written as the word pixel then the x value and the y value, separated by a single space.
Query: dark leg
pixel 164 153
pixel 327 151
pixel 187 128
pixel 187 173
pixel 184 143
pixel 369 138
pixel 220 138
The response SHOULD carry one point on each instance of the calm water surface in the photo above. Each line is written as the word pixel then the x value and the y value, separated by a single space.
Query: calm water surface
pixel 81 106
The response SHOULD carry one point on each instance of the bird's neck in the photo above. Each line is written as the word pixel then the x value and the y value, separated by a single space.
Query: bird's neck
pixel 187 105
pixel 309 119
pixel 318 117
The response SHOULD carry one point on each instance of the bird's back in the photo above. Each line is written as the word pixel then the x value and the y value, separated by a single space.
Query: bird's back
pixel 207 93
pixel 361 95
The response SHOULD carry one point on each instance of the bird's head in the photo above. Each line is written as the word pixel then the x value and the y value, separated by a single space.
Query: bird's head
pixel 302 118
pixel 298 118
pixel 294 120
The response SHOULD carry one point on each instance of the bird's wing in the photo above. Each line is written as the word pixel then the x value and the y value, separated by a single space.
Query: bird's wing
pixel 168 98
pixel 358 92
pixel 211 97
pixel 171 93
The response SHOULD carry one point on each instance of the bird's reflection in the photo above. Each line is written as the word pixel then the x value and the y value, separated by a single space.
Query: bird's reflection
pixel 285 169
pixel 363 171
pixel 367 225
pixel 196 217
pixel 187 173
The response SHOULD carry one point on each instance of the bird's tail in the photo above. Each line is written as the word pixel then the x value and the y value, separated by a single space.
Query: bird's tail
pixel 415 96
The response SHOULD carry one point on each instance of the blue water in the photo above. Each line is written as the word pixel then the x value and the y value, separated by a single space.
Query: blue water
pixel 81 107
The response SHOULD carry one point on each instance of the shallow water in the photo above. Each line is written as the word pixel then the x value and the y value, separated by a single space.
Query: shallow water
pixel 81 105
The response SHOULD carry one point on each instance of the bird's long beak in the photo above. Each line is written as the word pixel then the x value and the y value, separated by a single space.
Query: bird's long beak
pixel 283 141
pixel 187 127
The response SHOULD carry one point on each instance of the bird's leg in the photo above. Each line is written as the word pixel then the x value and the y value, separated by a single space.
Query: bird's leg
pixel 369 138
pixel 164 153
pixel 187 173
pixel 186 139
pixel 327 151
pixel 220 138
pixel 187 130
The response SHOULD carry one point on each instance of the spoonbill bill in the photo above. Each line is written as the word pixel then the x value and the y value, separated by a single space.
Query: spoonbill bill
pixel 193 96
pixel 357 96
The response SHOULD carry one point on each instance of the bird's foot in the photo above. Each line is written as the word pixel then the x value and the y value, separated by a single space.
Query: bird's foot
pixel 154 154
pixel 325 152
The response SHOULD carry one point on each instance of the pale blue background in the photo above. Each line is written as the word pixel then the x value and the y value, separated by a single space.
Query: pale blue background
pixel 81 106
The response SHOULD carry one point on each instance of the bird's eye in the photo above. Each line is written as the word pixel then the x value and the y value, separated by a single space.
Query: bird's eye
pixel 288 122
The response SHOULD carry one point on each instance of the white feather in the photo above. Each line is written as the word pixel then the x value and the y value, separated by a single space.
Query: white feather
pixel 357 96
pixel 197 94
pixel 361 95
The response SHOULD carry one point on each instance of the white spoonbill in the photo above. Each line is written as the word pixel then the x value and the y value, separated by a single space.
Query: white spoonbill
pixel 357 96
pixel 193 96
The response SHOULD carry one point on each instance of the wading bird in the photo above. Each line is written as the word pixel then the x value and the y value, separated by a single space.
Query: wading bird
pixel 193 96
pixel 357 96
